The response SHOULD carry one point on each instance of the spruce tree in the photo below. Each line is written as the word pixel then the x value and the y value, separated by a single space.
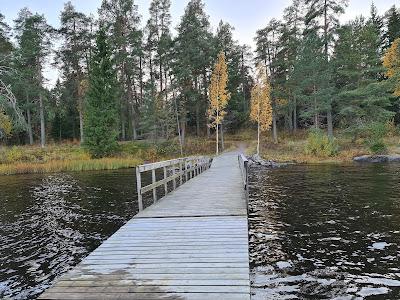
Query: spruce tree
pixel 393 25
pixel 100 111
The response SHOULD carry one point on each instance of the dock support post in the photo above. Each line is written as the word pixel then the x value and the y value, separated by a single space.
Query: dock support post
pixel 139 189
pixel 153 180
pixel 166 183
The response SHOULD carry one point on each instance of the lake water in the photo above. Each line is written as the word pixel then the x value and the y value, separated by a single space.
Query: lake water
pixel 317 232
pixel 48 223
pixel 325 232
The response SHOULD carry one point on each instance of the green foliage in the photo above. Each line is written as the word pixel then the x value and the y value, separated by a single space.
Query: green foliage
pixel 100 115
pixel 375 133
pixel 319 144
pixel 167 148
pixel 5 125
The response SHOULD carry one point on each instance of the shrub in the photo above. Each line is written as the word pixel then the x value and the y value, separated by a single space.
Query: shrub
pixel 319 144
pixel 167 148
pixel 376 131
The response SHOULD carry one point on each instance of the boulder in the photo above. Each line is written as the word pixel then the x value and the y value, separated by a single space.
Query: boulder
pixel 258 160
pixel 377 158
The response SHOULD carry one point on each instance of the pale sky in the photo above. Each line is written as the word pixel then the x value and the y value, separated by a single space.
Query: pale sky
pixel 247 16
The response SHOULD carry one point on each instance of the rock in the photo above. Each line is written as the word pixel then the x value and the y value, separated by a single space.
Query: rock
pixel 256 159
pixel 377 158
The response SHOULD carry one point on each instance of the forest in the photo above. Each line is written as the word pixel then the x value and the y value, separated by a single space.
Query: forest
pixel 144 80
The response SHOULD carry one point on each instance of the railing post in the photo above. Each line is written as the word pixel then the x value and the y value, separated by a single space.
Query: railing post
pixel 180 172
pixel 246 167
pixel 185 168
pixel 153 180
pixel 166 183
pixel 139 188
pixel 173 174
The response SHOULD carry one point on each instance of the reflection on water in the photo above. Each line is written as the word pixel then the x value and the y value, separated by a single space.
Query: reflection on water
pixel 48 223
pixel 325 232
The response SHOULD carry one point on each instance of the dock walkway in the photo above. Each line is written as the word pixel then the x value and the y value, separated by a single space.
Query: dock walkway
pixel 192 244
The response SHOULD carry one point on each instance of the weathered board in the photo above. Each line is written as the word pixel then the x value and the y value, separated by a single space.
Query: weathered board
pixel 192 244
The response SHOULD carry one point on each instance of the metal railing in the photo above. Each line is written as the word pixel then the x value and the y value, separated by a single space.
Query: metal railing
pixel 183 169
pixel 244 168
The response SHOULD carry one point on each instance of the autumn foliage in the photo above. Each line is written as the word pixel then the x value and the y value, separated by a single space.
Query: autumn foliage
pixel 218 94
pixel 261 108
pixel 391 61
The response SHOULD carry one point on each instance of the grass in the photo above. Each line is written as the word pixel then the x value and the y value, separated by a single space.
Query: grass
pixel 72 157
pixel 292 148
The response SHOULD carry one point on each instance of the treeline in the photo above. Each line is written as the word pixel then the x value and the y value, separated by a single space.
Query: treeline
pixel 162 80
pixel 328 75
pixel 322 74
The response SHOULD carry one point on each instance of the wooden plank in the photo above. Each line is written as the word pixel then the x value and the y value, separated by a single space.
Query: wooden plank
pixel 153 282
pixel 148 289
pixel 145 296
pixel 191 244
pixel 113 269
pixel 76 276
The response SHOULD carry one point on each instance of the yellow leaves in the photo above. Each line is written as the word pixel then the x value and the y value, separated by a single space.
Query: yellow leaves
pixel 391 61
pixel 261 108
pixel 83 87
pixel 218 94
pixel 5 125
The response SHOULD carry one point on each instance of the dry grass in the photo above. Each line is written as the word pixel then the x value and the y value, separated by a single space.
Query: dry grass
pixel 71 157
pixel 291 148
pixel 69 165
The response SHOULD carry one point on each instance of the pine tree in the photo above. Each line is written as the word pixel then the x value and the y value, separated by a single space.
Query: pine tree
pixel 100 111
pixel 322 15
pixel 261 108
pixel 361 96
pixel 73 57
pixel 393 25
pixel 238 73
pixel 313 77
pixel 267 41
pixel 219 96
pixel 122 19
pixel 193 49
pixel 33 36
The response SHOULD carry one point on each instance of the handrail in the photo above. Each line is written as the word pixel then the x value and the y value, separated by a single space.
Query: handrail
pixel 183 168
pixel 244 168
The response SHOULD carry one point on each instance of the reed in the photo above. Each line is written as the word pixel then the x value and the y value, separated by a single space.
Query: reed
pixel 69 165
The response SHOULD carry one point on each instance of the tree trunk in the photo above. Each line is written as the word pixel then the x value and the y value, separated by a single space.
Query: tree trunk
pixel 258 138
pixel 30 135
pixel 197 119
pixel 123 130
pixel 42 122
pixel 330 122
pixel 29 121
pixel 141 78
pixel 316 121
pixel 133 122
pixel 274 129
pixel 81 124
pixel 183 131
pixel 222 137
pixel 295 115
pixel 217 140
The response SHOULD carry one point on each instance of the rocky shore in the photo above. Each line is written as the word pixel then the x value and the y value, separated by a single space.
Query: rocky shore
pixel 377 158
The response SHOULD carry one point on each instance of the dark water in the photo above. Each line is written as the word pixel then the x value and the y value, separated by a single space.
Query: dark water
pixel 48 223
pixel 325 232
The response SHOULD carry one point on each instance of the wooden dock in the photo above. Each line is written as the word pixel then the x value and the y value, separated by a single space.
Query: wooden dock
pixel 191 244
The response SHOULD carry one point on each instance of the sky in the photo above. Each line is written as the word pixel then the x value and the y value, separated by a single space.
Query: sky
pixel 246 16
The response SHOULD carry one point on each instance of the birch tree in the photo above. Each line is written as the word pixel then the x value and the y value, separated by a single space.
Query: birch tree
pixel 218 95
pixel 261 108
pixel 391 62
